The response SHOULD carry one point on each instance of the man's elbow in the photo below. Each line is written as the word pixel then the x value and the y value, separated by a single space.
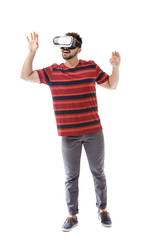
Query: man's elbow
pixel 22 77
pixel 112 87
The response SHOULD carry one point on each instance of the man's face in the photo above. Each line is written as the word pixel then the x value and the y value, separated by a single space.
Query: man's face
pixel 68 53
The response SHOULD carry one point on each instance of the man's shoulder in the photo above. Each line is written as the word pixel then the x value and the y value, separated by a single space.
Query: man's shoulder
pixel 55 65
pixel 89 62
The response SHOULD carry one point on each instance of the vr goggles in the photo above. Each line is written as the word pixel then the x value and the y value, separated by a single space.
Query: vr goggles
pixel 66 42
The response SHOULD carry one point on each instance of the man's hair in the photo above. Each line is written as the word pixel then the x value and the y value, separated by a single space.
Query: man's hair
pixel 75 35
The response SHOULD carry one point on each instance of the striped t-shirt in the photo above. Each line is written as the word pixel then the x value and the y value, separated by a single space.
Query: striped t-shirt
pixel 74 96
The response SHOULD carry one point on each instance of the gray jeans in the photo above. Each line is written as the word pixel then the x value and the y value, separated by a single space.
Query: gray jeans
pixel 71 150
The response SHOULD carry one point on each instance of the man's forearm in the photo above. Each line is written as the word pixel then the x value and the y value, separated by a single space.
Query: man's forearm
pixel 114 78
pixel 27 66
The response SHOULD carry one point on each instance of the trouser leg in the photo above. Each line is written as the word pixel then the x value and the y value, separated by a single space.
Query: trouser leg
pixel 71 151
pixel 94 147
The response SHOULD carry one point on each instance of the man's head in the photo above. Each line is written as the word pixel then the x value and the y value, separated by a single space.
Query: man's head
pixel 69 53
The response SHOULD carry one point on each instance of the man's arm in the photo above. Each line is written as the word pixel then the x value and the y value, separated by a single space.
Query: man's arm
pixel 113 80
pixel 27 72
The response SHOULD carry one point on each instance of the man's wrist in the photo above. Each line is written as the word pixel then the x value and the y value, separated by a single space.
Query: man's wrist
pixel 32 53
pixel 115 68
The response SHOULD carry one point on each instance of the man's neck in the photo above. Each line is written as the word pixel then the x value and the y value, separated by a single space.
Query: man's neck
pixel 72 63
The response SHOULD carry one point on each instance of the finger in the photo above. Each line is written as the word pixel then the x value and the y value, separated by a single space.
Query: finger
pixel 37 37
pixel 31 36
pixel 28 40
pixel 117 54
pixel 113 63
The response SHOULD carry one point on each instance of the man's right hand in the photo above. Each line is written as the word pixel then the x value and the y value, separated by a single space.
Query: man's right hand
pixel 27 72
pixel 33 43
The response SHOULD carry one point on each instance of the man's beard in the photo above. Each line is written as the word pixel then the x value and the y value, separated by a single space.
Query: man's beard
pixel 69 56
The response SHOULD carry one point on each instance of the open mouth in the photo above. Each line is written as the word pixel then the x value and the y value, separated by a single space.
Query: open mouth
pixel 66 51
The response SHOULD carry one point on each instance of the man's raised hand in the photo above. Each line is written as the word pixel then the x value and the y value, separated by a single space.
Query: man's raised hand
pixel 115 59
pixel 33 43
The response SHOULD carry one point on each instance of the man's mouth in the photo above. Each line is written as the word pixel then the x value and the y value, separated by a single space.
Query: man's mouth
pixel 66 51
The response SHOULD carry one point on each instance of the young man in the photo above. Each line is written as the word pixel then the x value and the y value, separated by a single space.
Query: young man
pixel 72 86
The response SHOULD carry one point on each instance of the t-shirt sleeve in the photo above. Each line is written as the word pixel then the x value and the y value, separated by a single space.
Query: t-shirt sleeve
pixel 45 75
pixel 101 76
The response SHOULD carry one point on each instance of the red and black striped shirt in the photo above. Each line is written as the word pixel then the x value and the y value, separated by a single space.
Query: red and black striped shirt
pixel 74 96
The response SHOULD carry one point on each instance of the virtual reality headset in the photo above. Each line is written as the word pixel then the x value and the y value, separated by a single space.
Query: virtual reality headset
pixel 66 42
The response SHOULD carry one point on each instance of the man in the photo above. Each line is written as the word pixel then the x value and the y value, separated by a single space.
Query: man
pixel 72 86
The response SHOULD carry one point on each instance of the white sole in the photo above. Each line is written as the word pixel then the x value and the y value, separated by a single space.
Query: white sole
pixel 68 230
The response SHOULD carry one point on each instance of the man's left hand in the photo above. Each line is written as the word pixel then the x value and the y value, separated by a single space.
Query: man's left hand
pixel 115 59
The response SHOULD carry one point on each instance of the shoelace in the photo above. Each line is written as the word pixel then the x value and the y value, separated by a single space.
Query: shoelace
pixel 69 219
pixel 105 215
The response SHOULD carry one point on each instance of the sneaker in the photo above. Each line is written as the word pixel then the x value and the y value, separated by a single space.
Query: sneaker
pixel 105 218
pixel 69 224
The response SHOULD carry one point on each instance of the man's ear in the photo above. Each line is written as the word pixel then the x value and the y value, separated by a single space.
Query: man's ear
pixel 79 50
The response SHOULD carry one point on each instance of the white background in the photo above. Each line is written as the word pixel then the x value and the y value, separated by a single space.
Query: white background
pixel 32 189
